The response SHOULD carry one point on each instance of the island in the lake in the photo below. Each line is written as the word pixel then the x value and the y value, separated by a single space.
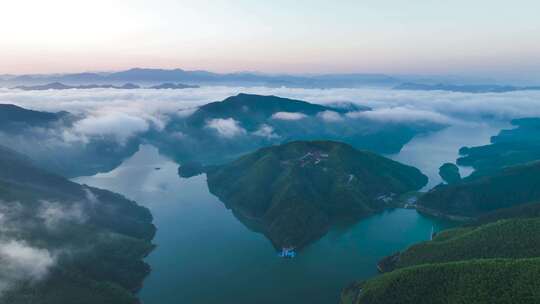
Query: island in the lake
pixel 293 193
pixel 450 173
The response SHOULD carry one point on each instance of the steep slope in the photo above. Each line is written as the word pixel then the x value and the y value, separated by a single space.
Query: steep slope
pixel 86 244
pixel 487 261
pixel 294 192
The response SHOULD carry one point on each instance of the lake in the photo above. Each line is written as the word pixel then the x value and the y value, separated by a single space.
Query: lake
pixel 205 255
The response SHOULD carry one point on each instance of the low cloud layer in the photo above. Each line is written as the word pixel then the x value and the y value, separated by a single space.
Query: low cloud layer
pixel 122 126
pixel 123 114
pixel 401 114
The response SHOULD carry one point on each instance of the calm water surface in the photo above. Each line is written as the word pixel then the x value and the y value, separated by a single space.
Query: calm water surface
pixel 205 255
pixel 428 152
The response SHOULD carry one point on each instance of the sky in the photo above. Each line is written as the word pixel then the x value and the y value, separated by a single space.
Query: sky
pixel 480 37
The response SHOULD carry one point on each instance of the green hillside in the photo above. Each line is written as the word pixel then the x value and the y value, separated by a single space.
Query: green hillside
pixel 488 281
pixel 294 192
pixel 475 196
pixel 493 259
pixel 512 238
pixel 97 239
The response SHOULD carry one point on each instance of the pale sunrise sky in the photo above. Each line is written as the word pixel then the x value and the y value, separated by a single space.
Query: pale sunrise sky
pixel 473 37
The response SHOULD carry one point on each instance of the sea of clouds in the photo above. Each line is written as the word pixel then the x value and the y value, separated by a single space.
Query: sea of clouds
pixel 124 113
pixel 127 112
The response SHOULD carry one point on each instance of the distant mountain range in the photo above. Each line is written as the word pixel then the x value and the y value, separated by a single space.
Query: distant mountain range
pixel 127 86
pixel 481 88
pixel 61 86
pixel 165 78
pixel 155 76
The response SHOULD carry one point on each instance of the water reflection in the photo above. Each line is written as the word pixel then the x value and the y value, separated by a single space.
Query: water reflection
pixel 429 152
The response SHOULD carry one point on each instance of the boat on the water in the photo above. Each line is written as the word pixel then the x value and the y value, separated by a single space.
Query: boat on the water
pixel 287 253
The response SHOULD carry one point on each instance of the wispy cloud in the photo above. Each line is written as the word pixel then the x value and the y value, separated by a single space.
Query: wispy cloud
pixel 330 116
pixel 54 214
pixel 227 127
pixel 288 116
pixel 116 124
pixel 20 261
pixel 266 131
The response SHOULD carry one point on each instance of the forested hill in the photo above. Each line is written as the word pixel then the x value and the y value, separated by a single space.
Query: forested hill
pixel 90 242
pixel 294 192
pixel 476 196
pixel 495 259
